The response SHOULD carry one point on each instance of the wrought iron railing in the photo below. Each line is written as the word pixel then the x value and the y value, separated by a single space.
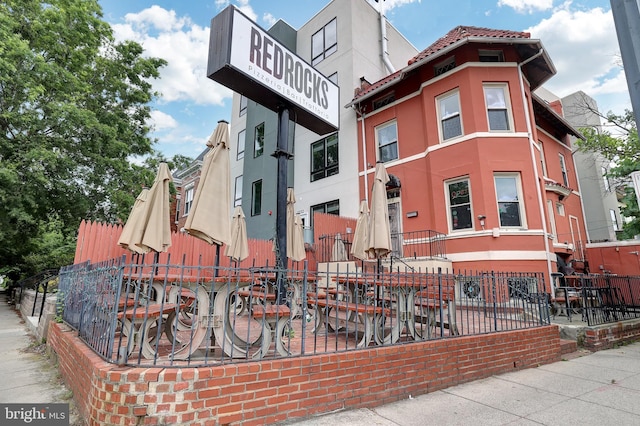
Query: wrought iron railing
pixel 177 315
pixel 603 299
pixel 425 244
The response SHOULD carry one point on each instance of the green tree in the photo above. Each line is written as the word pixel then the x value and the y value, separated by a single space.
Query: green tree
pixel 621 147
pixel 74 106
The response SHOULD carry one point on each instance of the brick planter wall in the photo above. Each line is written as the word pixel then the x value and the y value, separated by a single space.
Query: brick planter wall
pixel 269 391
pixel 606 336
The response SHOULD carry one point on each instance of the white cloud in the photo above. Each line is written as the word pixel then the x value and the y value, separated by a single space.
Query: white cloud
pixel 269 19
pixel 162 121
pixel 391 4
pixel 584 49
pixel 184 45
pixel 527 6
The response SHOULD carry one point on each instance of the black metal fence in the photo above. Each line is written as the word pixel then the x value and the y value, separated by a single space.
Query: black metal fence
pixel 601 299
pixel 426 244
pixel 177 315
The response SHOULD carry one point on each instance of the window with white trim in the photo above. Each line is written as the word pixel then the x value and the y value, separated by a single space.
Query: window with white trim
pixel 509 199
pixel 459 204
pixel 241 137
pixel 563 169
pixel 324 158
pixel 188 199
pixel 543 161
pixel 614 220
pixel 560 209
pixel 237 197
pixel 496 97
pixel 243 105
pixel 324 42
pixel 387 141
pixel 449 115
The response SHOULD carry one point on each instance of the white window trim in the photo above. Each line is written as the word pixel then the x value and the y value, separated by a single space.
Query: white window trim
pixel 543 160
pixel 563 170
pixel 507 101
pixel 397 142
pixel 187 188
pixel 552 220
pixel 523 216
pixel 448 203
pixel 454 92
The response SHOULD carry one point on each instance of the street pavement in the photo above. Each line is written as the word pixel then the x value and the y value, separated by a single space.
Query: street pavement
pixel 584 389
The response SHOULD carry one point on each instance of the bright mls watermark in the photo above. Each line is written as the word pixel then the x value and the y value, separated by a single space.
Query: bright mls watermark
pixel 34 414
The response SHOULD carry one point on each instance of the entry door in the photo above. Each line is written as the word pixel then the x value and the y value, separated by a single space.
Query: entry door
pixel 395 224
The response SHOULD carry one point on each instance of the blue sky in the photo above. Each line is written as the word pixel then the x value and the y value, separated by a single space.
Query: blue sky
pixel 578 34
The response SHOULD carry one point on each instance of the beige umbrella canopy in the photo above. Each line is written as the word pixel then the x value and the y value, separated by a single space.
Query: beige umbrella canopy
pixel 295 233
pixel 238 247
pixel 134 228
pixel 338 251
pixel 379 229
pixel 361 234
pixel 157 234
pixel 148 227
pixel 209 217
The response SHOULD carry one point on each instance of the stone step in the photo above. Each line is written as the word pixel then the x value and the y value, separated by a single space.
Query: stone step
pixel 568 346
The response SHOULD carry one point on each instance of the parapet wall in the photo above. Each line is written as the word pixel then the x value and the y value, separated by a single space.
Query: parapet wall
pixel 269 391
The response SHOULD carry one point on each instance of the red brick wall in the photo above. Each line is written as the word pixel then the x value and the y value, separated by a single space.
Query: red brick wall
pixel 270 391
pixel 608 335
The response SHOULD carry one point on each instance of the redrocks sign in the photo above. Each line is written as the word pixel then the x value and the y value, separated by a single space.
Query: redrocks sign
pixel 243 57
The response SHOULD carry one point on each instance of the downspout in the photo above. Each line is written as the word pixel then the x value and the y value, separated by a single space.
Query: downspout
pixel 383 41
pixel 535 163
pixel 364 154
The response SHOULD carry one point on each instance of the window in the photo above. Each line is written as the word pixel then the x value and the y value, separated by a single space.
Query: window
pixel 495 97
pixel 243 105
pixel 241 138
pixel 614 220
pixel 258 140
pixel 256 198
pixel 330 207
pixel 450 119
pixel 387 140
pixel 188 199
pixel 560 209
pixel 237 197
pixel 605 178
pixel 508 197
pixel 552 221
pixel 324 42
pixel 444 66
pixel 563 169
pixel 459 204
pixel 177 218
pixel 543 161
pixel 324 158
pixel 491 56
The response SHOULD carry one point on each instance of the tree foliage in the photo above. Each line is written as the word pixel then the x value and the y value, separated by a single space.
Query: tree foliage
pixel 621 147
pixel 74 106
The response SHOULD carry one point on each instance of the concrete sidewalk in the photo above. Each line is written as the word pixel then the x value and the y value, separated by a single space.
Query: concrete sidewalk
pixel 27 376
pixel 593 389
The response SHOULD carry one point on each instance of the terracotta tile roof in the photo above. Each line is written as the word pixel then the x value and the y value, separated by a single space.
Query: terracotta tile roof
pixel 462 32
pixel 453 36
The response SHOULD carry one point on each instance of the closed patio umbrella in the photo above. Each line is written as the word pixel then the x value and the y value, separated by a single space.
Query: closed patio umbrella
pixel 379 245
pixel 338 251
pixel 209 217
pixel 295 233
pixel 157 234
pixel 238 247
pixel 148 227
pixel 361 233
pixel 134 227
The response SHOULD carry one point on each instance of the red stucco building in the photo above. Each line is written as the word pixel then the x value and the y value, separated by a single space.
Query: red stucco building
pixel 475 153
